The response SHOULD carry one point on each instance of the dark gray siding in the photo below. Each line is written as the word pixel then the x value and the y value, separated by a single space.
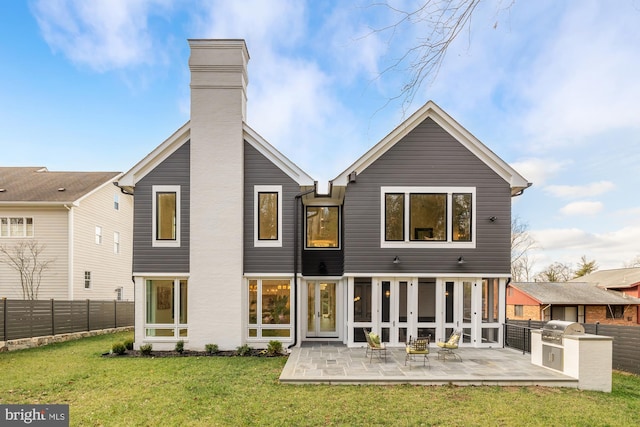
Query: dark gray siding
pixel 147 259
pixel 428 156
pixel 258 170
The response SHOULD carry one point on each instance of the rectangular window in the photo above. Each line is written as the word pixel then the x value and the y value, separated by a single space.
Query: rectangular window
pixel 119 294
pixel 116 201
pixel 362 301
pixel 16 227
pixel 166 308
pixel 518 310
pixel 435 217
pixel 166 215
pixel 87 280
pixel 269 308
pixel 394 217
pixel 116 242
pixel 98 235
pixel 428 217
pixel 323 227
pixel 615 311
pixel 268 215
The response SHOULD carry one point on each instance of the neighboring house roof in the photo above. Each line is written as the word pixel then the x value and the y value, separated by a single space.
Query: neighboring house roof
pixel 37 185
pixel 182 135
pixel 431 110
pixel 619 278
pixel 573 293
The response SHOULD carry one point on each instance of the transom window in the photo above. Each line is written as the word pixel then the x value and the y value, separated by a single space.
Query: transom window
pixel 268 215
pixel 16 227
pixel 427 216
pixel 166 215
pixel 323 227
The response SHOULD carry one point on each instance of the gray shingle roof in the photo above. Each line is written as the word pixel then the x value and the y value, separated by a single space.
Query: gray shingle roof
pixel 616 278
pixel 573 293
pixel 37 184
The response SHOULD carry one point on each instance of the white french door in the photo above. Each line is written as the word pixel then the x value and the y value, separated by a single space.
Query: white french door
pixel 322 314
pixel 459 308
pixel 394 310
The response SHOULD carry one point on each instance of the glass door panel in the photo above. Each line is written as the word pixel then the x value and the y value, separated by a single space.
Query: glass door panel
pixel 321 309
pixel 394 311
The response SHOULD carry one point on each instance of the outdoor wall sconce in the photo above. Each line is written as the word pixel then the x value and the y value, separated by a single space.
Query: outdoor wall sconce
pixel 396 260
pixel 461 260
pixel 493 218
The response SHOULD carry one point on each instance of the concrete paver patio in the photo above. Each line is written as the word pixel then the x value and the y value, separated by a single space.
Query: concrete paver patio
pixel 331 363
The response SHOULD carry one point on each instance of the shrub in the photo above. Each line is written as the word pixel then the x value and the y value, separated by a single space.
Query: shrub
pixel 128 343
pixel 274 347
pixel 145 349
pixel 118 348
pixel 180 346
pixel 211 348
pixel 244 350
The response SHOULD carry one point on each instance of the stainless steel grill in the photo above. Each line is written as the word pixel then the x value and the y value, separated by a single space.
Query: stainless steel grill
pixel 555 330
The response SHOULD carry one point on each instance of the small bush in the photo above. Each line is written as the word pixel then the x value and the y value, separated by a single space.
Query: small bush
pixel 145 349
pixel 274 348
pixel 211 348
pixel 118 348
pixel 244 350
pixel 180 346
pixel 128 343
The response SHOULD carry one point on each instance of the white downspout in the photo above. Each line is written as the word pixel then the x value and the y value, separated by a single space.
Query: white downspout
pixel 70 251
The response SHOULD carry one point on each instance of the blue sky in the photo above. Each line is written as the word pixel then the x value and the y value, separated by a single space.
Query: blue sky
pixel 551 86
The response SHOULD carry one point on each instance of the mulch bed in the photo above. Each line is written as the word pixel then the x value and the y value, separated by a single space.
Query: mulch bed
pixel 189 353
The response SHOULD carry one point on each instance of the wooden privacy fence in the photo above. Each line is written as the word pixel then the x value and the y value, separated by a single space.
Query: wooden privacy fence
pixel 626 340
pixel 27 319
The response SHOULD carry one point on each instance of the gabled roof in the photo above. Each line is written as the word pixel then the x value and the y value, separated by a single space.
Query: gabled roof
pixel 37 185
pixel 618 278
pixel 182 135
pixel 573 293
pixel 431 110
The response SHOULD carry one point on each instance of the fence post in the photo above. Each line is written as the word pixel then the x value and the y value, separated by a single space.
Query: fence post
pixel 88 315
pixel 597 323
pixel 53 318
pixel 4 323
pixel 115 313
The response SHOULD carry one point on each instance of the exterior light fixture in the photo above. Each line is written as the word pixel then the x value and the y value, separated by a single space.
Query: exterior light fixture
pixel 461 260
pixel 493 218
pixel 396 260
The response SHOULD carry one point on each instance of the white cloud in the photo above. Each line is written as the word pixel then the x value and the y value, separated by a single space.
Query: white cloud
pixel 539 170
pixel 577 191
pixel 585 81
pixel 100 34
pixel 581 208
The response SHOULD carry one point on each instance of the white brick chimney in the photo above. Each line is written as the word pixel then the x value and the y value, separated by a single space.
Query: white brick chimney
pixel 218 110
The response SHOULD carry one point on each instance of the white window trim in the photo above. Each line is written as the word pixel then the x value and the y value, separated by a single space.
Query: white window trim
pixel 259 326
pixel 24 234
pixel 84 281
pixel 98 235
pixel 257 189
pixel 116 242
pixel 116 201
pixel 176 325
pixel 428 244
pixel 165 243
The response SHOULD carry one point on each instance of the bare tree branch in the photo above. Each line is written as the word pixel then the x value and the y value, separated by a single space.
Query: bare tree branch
pixel 26 258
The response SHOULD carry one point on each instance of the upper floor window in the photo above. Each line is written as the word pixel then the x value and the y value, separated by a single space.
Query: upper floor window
pixel 427 216
pixel 268 215
pixel 116 201
pixel 323 227
pixel 98 235
pixel 166 215
pixel 16 227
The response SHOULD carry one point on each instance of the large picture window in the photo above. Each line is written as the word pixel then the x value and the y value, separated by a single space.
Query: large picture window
pixel 427 217
pixel 166 215
pixel 323 227
pixel 268 215
pixel 269 308
pixel 166 308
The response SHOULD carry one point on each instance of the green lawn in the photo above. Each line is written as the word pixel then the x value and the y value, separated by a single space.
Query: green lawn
pixel 233 391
